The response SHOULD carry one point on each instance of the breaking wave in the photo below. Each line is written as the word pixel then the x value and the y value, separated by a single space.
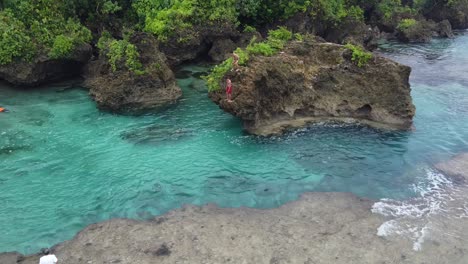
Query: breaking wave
pixel 439 203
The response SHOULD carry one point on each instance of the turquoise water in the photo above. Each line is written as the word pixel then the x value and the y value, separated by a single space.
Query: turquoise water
pixel 64 164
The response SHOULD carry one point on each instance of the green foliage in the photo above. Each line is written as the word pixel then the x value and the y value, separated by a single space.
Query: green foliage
pixel 249 29
pixel 214 79
pixel 356 13
pixel 406 23
pixel 164 18
pixel 329 10
pixel 262 48
pixel 120 53
pixel 14 41
pixel 62 47
pixel 38 27
pixel 359 55
pixel 276 41
pixel 281 33
pixel 243 56
pixel 391 8
pixel 109 7
pixel 298 37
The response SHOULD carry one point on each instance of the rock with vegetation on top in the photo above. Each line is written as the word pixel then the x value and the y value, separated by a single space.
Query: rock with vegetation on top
pixel 45 69
pixel 133 78
pixel 412 30
pixel 315 81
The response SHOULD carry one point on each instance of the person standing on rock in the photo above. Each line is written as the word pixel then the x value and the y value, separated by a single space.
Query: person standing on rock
pixel 48 257
pixel 229 90
pixel 235 61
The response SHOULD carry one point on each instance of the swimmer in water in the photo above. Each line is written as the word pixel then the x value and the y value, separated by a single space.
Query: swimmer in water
pixel 3 110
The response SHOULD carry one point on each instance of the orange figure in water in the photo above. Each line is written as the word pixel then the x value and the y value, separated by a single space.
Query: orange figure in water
pixel 3 110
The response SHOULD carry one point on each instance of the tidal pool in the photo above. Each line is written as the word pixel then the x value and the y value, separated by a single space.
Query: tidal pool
pixel 64 164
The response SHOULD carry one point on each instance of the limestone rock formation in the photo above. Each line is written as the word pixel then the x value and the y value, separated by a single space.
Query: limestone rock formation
pixel 126 91
pixel 314 81
pixel 44 69
pixel 194 43
pixel 424 30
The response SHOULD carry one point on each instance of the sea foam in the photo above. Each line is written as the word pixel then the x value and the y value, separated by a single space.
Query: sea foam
pixel 438 202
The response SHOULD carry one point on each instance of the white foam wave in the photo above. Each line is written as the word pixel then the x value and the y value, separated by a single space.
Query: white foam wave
pixel 413 218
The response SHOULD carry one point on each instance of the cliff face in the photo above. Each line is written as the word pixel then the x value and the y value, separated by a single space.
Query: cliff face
pixel 44 69
pixel 126 91
pixel 314 81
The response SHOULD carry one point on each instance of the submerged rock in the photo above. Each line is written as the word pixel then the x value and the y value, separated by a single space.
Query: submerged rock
pixel 315 81
pixel 44 69
pixel 456 168
pixel 126 91
pixel 155 134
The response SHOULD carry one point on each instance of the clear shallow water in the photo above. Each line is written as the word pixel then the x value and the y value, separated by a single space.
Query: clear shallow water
pixel 64 165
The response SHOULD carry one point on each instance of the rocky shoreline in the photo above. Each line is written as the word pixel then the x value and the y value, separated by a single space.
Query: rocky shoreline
pixel 317 228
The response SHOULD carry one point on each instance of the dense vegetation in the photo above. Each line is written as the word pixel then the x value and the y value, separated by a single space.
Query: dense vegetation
pixel 31 28
pixel 56 27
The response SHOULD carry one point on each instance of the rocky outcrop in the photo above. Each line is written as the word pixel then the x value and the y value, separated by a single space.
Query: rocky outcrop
pixel 353 31
pixel 44 69
pixel 456 13
pixel 125 91
pixel 209 42
pixel 313 81
pixel 424 30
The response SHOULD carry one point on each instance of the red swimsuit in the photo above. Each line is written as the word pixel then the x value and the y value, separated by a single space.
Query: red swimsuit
pixel 229 89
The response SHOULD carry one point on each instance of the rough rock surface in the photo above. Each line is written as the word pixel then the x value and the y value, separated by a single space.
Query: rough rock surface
pixel 319 228
pixel 125 91
pixel 424 30
pixel 313 81
pixel 195 43
pixel 221 49
pixel 353 31
pixel 43 69
pixel 457 13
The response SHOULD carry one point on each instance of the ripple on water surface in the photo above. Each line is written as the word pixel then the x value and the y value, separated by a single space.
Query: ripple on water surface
pixel 64 165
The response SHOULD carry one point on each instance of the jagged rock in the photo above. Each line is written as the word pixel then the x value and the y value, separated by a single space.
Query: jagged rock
pixel 125 91
pixel 421 31
pixel 353 31
pixel 444 29
pixel 44 69
pixel 194 43
pixel 313 81
pixel 221 49
pixel 456 14
pixel 424 30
